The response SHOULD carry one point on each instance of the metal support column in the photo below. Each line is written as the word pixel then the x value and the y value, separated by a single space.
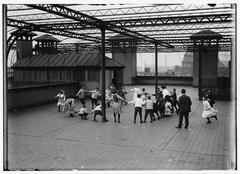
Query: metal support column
pixel 5 89
pixel 200 73
pixel 156 69
pixel 104 119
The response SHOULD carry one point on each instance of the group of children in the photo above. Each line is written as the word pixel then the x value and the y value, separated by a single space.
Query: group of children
pixel 68 104
pixel 165 104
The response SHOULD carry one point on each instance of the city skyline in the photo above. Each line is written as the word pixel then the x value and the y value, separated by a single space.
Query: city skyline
pixel 169 59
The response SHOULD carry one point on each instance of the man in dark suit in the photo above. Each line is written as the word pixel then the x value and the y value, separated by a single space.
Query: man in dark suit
pixel 184 108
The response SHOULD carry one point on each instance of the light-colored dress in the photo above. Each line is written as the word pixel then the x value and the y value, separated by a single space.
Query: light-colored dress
pixel 116 107
pixel 69 105
pixel 107 95
pixel 61 99
pixel 167 111
pixel 165 93
pixel 136 92
pixel 208 111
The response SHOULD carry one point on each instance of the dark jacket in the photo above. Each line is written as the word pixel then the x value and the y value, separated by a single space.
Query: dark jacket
pixel 185 104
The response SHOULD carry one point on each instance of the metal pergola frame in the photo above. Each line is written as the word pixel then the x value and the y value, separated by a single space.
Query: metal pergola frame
pixel 160 21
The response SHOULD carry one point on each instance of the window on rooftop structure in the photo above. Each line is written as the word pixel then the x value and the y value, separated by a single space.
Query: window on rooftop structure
pixel 80 75
pixel 93 75
pixel 121 44
pixel 18 75
pixel 54 75
pixel 37 75
pixel 69 75
pixel 26 75
pixel 127 44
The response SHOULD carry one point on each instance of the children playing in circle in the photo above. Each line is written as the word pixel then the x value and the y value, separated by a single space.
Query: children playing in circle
pixel 142 101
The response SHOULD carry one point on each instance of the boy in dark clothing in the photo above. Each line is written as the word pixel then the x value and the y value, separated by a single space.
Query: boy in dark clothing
pixel 161 105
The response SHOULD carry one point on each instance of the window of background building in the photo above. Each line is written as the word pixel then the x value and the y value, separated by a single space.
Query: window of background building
pixel 66 75
pixel 93 75
pixel 54 75
pixel 69 75
pixel 80 75
pixel 26 75
pixel 37 75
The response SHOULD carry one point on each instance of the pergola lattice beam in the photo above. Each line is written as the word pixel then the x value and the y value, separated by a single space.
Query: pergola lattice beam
pixel 75 27
pixel 160 8
pixel 43 28
pixel 78 26
pixel 83 18
pixel 216 18
pixel 140 48
pixel 138 10
pixel 153 22
pixel 165 34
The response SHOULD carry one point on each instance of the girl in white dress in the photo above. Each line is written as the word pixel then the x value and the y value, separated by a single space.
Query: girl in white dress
pixel 136 91
pixel 208 111
pixel 69 106
pixel 61 100
pixel 167 110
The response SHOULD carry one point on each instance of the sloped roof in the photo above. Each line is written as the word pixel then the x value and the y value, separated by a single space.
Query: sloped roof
pixel 66 60
pixel 209 34
pixel 47 37
pixel 120 37
pixel 25 33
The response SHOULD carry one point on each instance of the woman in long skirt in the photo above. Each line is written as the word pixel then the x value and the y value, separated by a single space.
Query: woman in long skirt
pixel 208 111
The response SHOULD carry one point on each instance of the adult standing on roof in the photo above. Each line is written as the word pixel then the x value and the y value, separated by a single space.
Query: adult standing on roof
pixel 184 109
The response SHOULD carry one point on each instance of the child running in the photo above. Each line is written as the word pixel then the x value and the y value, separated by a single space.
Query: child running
pixel 208 111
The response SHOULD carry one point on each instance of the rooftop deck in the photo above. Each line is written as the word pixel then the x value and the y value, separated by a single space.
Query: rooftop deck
pixel 44 139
